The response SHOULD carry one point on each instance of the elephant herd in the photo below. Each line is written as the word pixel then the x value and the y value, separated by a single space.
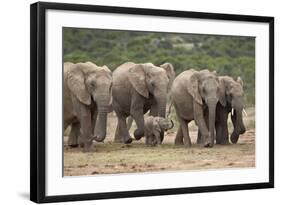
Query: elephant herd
pixel 131 90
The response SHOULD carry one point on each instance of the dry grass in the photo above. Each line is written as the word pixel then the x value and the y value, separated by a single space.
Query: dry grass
pixel 137 157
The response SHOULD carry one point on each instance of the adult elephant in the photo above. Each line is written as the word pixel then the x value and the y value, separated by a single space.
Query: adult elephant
pixel 232 91
pixel 87 95
pixel 166 66
pixel 136 89
pixel 193 94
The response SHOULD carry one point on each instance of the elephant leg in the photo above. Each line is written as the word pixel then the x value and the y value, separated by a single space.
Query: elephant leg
pixel 148 140
pixel 199 138
pixel 138 117
pixel 186 138
pixel 84 116
pixel 221 128
pixel 94 114
pixel 118 134
pixel 74 134
pixel 179 137
pixel 122 133
pixel 199 135
pixel 201 123
pixel 222 132
pixel 129 122
pixel 184 128
pixel 157 138
pixel 218 133
pixel 137 112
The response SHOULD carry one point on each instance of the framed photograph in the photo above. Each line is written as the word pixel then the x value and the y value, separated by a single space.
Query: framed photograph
pixel 130 102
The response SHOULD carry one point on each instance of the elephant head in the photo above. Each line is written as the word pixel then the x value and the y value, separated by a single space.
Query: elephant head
pixel 203 86
pixel 163 123
pixel 232 93
pixel 152 81
pixel 91 85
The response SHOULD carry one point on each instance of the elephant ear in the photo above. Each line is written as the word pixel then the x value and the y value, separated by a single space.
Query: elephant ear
pixel 136 77
pixel 155 125
pixel 104 67
pixel 193 89
pixel 222 94
pixel 239 80
pixel 76 83
pixel 169 68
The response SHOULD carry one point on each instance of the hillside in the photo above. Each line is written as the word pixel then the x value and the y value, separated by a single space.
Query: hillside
pixel 228 55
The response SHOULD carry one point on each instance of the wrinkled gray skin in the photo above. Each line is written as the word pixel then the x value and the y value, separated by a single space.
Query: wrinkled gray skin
pixel 87 96
pixel 172 76
pixel 136 89
pixel 153 127
pixel 193 94
pixel 233 93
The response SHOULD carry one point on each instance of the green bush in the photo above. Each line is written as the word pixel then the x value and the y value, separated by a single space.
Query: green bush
pixel 228 55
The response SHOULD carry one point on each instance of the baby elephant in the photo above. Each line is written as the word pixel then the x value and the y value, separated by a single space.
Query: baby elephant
pixel 153 126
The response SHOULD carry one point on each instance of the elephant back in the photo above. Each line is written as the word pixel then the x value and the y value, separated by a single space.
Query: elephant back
pixel 182 79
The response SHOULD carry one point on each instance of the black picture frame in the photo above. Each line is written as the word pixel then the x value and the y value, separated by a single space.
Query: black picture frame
pixel 38 101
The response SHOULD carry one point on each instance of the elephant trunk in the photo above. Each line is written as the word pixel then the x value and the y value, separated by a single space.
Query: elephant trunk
pixel 239 127
pixel 172 124
pixel 162 111
pixel 161 101
pixel 212 104
pixel 103 109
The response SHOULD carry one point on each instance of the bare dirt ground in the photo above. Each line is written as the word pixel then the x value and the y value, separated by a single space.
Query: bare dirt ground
pixel 113 158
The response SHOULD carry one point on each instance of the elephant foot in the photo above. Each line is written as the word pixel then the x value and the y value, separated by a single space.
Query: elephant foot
pixel 138 134
pixel 187 141
pixel 234 138
pixel 73 145
pixel 118 140
pixel 128 140
pixel 89 148
pixel 208 143
pixel 98 139
pixel 152 145
pixel 178 142
pixel 223 143
pixel 200 139
pixel 222 139
pixel 200 142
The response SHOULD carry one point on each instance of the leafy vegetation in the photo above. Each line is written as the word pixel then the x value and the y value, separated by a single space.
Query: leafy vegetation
pixel 228 55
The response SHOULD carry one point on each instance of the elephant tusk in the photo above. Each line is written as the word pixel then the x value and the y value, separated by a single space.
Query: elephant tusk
pixel 232 111
pixel 244 111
